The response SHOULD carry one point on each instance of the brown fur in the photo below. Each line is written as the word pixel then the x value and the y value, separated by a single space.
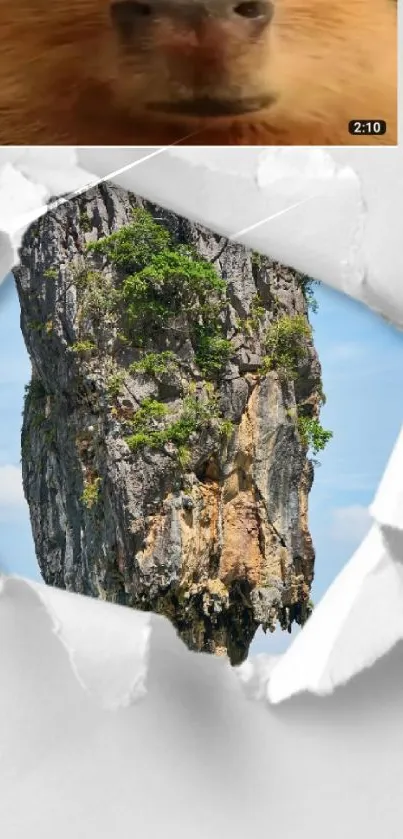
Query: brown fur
pixel 65 80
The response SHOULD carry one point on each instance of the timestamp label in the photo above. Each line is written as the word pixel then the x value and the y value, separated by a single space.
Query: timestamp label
pixel 367 127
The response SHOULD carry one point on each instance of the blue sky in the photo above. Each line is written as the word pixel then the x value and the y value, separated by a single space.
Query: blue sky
pixel 362 362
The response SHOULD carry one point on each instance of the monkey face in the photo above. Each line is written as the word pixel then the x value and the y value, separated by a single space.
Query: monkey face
pixel 202 59
pixel 196 63
pixel 219 60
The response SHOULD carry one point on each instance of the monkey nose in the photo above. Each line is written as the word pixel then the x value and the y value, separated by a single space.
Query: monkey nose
pixel 129 15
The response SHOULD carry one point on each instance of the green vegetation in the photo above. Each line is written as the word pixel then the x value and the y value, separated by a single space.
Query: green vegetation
pixel 164 286
pixel 225 427
pixel 307 285
pixel 253 322
pixel 38 419
pixel 183 456
pixel 100 297
pixel 257 310
pixel 321 394
pixel 212 351
pixel 36 325
pixel 91 492
pixel 84 222
pixel 115 383
pixel 51 273
pixel 123 339
pixel 34 390
pixel 81 347
pixel 266 365
pixel 256 259
pixel 155 364
pixel 134 245
pixel 86 277
pixel 173 283
pixel 194 415
pixel 150 410
pixel 286 345
pixel 40 326
pixel 312 433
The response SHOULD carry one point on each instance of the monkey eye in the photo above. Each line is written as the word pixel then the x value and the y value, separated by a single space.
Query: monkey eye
pixel 251 9
pixel 141 9
pixel 126 11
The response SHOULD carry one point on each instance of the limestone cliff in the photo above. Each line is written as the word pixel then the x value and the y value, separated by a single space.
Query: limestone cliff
pixel 175 390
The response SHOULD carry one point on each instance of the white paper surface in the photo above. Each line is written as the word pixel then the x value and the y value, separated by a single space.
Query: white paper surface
pixel 192 758
pixel 334 214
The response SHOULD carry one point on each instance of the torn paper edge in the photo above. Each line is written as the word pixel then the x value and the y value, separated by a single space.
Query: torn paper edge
pixel 387 507
pixel 79 622
pixel 17 223
pixel 155 174
pixel 309 663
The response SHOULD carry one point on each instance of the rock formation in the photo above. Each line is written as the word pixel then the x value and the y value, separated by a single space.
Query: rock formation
pixel 175 392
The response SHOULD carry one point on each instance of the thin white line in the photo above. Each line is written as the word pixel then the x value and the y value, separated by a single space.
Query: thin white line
pixel 115 173
pixel 270 218
pixel 32 216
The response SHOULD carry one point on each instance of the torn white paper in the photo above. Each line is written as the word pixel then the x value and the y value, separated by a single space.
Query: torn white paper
pixel 109 657
pixel 338 221
pixel 359 618
pixel 387 507
pixel 194 758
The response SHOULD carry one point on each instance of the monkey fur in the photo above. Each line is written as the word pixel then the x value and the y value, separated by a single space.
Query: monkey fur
pixel 70 75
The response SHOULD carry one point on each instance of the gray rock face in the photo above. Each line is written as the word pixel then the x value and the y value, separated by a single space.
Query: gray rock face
pixel 217 539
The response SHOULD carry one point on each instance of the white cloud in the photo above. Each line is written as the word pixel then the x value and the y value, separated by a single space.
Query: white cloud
pixel 350 524
pixel 11 492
